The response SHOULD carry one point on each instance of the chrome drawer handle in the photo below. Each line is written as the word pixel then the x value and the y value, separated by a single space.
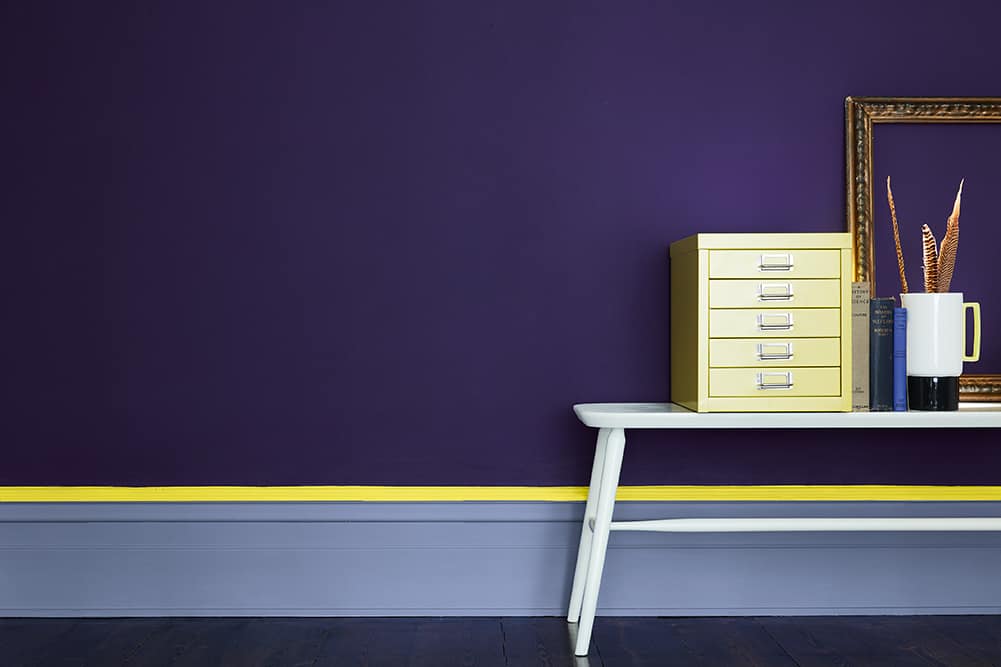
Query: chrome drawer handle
pixel 768 380
pixel 785 354
pixel 775 263
pixel 774 321
pixel 775 292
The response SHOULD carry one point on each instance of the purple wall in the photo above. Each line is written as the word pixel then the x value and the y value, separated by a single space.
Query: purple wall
pixel 926 164
pixel 394 242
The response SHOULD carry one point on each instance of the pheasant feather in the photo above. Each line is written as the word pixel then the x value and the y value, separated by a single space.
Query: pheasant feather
pixel 950 244
pixel 896 238
pixel 930 253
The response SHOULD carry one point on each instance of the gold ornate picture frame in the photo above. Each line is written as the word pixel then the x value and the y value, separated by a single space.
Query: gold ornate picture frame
pixel 861 113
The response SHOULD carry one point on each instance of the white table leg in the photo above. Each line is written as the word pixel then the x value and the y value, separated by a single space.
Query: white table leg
pixel 584 550
pixel 614 449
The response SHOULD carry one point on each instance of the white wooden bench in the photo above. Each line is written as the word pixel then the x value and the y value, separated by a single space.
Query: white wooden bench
pixel 612 420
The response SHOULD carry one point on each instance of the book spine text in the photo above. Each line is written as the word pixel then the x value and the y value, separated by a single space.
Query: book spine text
pixel 860 347
pixel 881 354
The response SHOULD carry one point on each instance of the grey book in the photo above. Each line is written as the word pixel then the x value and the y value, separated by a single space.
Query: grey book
pixel 860 347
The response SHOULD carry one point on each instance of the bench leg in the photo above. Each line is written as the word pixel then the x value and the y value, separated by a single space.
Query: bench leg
pixel 584 550
pixel 614 448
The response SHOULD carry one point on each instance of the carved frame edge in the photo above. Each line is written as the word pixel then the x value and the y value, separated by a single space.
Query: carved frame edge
pixel 861 113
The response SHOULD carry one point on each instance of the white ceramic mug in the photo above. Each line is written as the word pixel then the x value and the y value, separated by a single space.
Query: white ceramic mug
pixel 936 333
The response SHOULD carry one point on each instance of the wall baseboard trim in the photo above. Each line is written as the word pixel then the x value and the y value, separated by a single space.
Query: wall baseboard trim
pixel 476 558
pixel 393 494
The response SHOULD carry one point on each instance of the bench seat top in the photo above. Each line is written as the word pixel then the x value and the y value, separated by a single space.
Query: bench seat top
pixel 670 415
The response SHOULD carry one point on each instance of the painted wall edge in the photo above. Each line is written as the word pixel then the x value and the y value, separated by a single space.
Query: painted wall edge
pixel 372 493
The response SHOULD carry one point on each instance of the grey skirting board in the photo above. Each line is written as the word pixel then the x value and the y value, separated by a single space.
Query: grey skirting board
pixel 475 558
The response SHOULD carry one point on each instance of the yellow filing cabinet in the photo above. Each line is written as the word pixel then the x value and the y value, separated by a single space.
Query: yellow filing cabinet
pixel 761 322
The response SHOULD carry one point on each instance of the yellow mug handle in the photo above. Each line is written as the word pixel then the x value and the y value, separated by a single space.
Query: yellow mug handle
pixel 975 307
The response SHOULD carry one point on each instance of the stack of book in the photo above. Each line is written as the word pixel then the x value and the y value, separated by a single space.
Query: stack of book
pixel 879 349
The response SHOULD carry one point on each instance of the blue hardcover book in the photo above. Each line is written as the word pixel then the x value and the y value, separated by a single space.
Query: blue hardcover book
pixel 899 359
pixel 881 354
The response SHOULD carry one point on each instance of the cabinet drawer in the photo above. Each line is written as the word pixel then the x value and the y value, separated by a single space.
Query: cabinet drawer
pixel 774 382
pixel 785 352
pixel 764 293
pixel 775 264
pixel 787 323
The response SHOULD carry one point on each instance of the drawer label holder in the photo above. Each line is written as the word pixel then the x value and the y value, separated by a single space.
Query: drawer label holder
pixel 776 262
pixel 774 321
pixel 775 292
pixel 774 351
pixel 775 380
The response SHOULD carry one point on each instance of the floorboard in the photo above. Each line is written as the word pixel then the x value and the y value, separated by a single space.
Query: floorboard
pixel 978 635
pixel 864 641
pixel 28 641
pixel 842 641
pixel 736 642
pixel 544 641
pixel 100 642
pixel 278 642
pixel 475 642
pixel 731 641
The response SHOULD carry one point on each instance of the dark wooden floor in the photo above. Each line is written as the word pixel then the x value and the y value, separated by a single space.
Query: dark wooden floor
pixel 883 641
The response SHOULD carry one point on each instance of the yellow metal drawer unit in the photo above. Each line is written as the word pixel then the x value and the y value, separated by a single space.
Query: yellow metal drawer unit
pixel 761 322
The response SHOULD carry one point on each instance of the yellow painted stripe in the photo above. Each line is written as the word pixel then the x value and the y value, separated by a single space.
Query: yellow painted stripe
pixel 787 493
pixel 287 493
